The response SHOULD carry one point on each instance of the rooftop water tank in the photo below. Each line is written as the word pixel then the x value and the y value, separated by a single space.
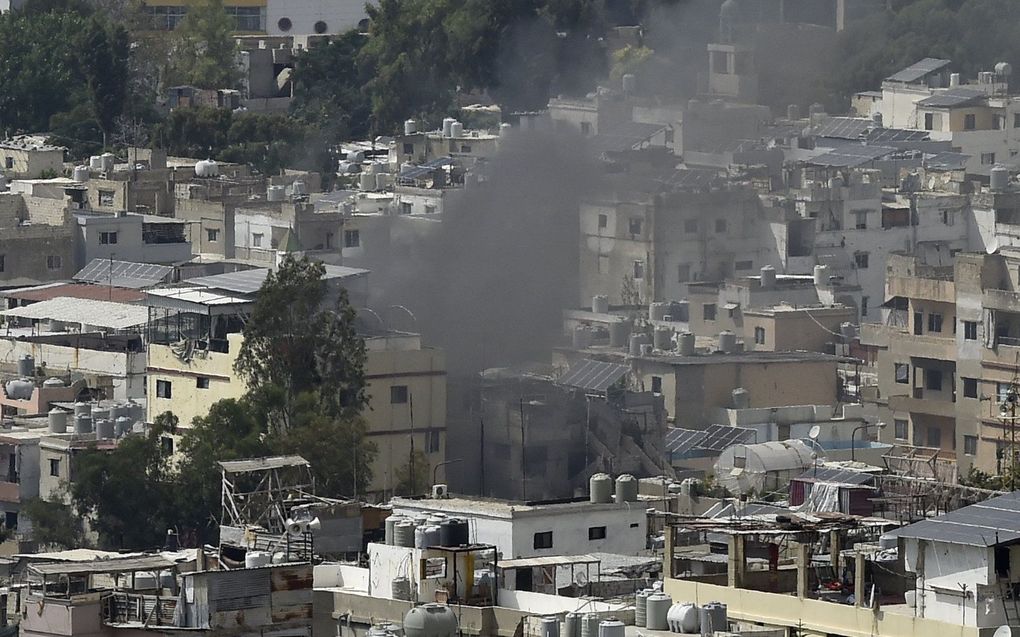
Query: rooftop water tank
pixel 298 188
pixel 549 627
pixel 207 168
pixel 410 127
pixel 727 342
pixel 53 382
pixel 430 620
pixel 108 161
pixel 618 333
pixel 26 366
pixel 663 338
pixel 123 426
pixel 600 304
pixel 80 174
pixel 821 274
pixel 82 409
pixel 95 163
pixel 600 488
pixel 611 628
pixel 954 80
pixel 505 129
pixel 816 109
pixel 741 398
pixel 768 277
pixel 391 522
pixel 100 413
pixel 368 181
pixel 83 424
pixel 657 310
pixel 257 559
pixel 1003 69
pixel 581 337
pixel 686 344
pixel 20 389
pixel 460 532
pixel 626 488
pixel 276 193
pixel 683 618
pixel 640 607
pixel 713 618
pixel 572 625
pixel 105 429
pixel 1000 178
pixel 403 533
pixel 448 126
pixel 590 625
pixel 57 421
pixel 636 341
pixel 456 130
pixel 629 83
pixel 658 608
pixel 793 112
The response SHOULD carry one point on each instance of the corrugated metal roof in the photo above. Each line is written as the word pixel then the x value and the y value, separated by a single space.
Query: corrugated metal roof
pixel 918 70
pixel 591 375
pixel 123 274
pixel 835 476
pixel 851 155
pixel 263 464
pixel 989 523
pixel 947 161
pixel 952 97
pixel 77 291
pixel 844 127
pixel 123 565
pixel 116 316
pixel 721 437
pixel 551 560
pixel 249 281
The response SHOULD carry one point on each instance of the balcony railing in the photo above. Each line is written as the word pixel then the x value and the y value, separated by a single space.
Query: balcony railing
pixel 135 608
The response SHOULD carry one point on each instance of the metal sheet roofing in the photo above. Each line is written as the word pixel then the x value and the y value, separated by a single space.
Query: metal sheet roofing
pixel 550 560
pixel 952 97
pixel 88 311
pixel 590 375
pixel 123 274
pixel 888 135
pixel 262 464
pixel 679 440
pixel 249 281
pixel 836 476
pixel 123 565
pixel 844 127
pixel 178 297
pixel 947 161
pixel 851 155
pixel 989 523
pixel 76 291
pixel 918 70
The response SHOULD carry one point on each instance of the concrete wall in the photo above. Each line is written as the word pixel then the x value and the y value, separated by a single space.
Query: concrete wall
pixel 126 369
pixel 188 401
pixel 338 16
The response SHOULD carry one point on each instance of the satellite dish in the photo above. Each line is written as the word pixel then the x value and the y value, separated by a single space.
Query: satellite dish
pixel 992 248
pixel 1003 631
pixel 813 432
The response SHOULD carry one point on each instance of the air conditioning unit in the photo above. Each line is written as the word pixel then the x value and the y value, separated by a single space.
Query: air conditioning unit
pixel 440 491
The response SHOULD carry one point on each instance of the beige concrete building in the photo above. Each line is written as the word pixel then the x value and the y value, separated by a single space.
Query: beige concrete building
pixel 30 157
pixel 788 328
pixel 36 239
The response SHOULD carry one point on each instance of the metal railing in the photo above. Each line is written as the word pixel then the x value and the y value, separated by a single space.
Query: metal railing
pixel 135 608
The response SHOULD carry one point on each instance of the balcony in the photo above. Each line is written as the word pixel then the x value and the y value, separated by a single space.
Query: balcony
pixel 918 404
pixel 134 608
pixel 1002 300
pixel 10 492
pixel 942 290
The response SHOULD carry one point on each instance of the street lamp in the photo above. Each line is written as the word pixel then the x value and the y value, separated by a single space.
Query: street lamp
pixel 853 446
pixel 443 464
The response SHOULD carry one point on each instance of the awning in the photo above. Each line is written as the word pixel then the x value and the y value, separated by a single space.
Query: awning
pixel 86 311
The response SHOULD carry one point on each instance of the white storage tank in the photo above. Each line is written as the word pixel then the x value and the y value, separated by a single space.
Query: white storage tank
pixel 368 181
pixel 581 337
pixel 684 618
pixel 626 488
pixel 741 398
pixel 448 126
pixel 636 341
pixel 389 524
pixel 821 274
pixel 108 161
pixel 611 628
pixel 1000 178
pixel 713 618
pixel 298 188
pixel 629 83
pixel 95 163
pixel 600 304
pixel 207 168
pixel 430 620
pixel 662 338
pixel 687 344
pixel 572 625
pixel 658 310
pixel 618 333
pixel 80 174
pixel 600 488
pixel 57 421
pixel 123 426
pixel 83 424
pixel 20 388
pixel 641 607
pixel 410 127
pixel 727 342
pixel 590 625
pixel 257 559
pixel 549 627
pixel 768 277
pixel 105 429
pixel 456 130
pixel 657 609
pixel 276 193
pixel 82 409
pixel 403 534
pixel 26 366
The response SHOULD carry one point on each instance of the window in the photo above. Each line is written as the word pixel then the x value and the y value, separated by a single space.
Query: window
pixel 432 441
pixel 166 18
pixel 164 389
pixel 1016 120
pixel 1001 391
pixel 900 427
pixel 720 226
pixel 247 18
pixel 202 382
pixel 933 379
pixel 352 238
pixel 929 121
pixel 464 148
pixel 743 265
pixel 861 219
pixel 708 311
pixel 11 519
pixel 55 467
pixel 861 260
pixel 691 226
pixel 405 207
pixel 107 238
pixel 948 218
pixel 970 330
pixel 212 235
pixel 759 335
pixel 284 24
pixel 864 306
pixel 999 122
pixel 543 540
pixel 3 260
pixel 105 197
pixel 656 384
pixel 683 272
pixel 902 373
pixel 918 323
pixel 398 394
pixel 639 270
pixel 970 445
pixel 430 209
pixel 9 162
pixel 935 322
pixel 54 262
pixel 603 264
pixel 969 121
pixel 634 226
pixel 934 436
pixel 256 240
pixel 596 533
pixel 408 149
pixel 320 27
pixel 166 445
pixel 603 222
pixel 970 388
pixel 987 159
pixel 586 128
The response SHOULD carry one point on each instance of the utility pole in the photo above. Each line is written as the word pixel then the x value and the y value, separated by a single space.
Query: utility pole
pixel 481 453
pixel 410 461
pixel 524 457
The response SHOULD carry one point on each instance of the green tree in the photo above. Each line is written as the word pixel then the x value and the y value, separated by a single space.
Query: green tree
pixel 413 477
pixel 328 90
pixel 204 50
pixel 105 68
pixel 298 340
pixel 54 523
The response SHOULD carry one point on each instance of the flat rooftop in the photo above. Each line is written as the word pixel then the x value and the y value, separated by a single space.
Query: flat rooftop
pixel 489 507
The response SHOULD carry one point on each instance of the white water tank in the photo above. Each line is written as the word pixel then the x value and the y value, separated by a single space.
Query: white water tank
pixel 83 424
pixel 105 429
pixel 95 163
pixel 207 168
pixel 657 609
pixel 741 398
pixel 276 193
pixel 662 338
pixel 768 277
pixel 641 607
pixel 390 523
pixel 403 534
pixel 713 618
pixel 410 127
pixel 1000 178
pixel 368 181
pixel 636 341
pixel 107 162
pixel 629 83
pixel 793 112
pixel 572 625
pixel 26 366
pixel 57 421
pixel 298 188
pixel 257 559
pixel 549 627
pixel 448 126
pixel 123 426
pixel 618 333
pixel 53 382
pixel 20 388
pixel 727 342
pixel 80 174
pixel 600 304
pixel 590 625
pixel 83 409
pixel 683 618
pixel 821 274
pixel 626 488
pixel 430 620
pixel 456 130
pixel 611 628
pixel 687 344
pixel 600 488
pixel 658 310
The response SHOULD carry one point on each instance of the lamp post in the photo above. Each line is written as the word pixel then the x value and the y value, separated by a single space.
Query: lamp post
pixel 435 469
pixel 853 434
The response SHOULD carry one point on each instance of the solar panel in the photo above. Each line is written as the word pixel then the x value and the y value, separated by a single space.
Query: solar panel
pixel 123 274
pixel 851 155
pixel 952 97
pixel 839 476
pixel 595 376
pixel 879 135
pixel 947 161
pixel 918 70
pixel 844 127
pixel 722 437
pixel 994 521
pixel 683 440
